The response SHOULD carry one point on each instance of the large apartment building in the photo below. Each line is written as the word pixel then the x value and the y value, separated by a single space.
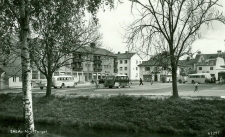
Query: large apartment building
pixel 93 63
pixel 86 63
pixel 128 64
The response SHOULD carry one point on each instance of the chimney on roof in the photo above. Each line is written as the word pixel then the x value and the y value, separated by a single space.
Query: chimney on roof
pixel 118 52
pixel 126 51
pixel 199 52
pixel 188 58
pixel 219 51
pixel 92 45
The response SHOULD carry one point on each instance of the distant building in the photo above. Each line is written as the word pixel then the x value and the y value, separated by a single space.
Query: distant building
pixel 213 64
pixel 156 70
pixel 187 66
pixel 128 64
pixel 93 63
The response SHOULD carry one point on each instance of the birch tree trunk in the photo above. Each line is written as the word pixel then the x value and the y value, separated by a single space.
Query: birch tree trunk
pixel 26 69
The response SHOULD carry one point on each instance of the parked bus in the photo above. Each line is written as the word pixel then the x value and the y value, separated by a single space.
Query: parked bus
pixel 116 81
pixel 199 77
pixel 182 79
pixel 64 81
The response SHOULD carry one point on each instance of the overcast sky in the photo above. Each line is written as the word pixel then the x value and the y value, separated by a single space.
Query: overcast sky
pixel 112 23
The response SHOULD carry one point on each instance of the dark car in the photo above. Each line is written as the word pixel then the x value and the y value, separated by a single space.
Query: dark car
pixel 101 81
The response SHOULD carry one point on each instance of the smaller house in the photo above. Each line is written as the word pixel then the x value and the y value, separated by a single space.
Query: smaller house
pixel 158 70
pixel 214 64
pixel 128 64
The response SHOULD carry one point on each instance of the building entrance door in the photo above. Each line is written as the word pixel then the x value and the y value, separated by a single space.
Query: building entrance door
pixel 155 77
pixel 221 74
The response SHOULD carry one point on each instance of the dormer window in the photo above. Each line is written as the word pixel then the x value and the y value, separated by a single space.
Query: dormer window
pixel 201 59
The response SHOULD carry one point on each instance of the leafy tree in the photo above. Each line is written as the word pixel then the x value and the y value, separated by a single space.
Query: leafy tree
pixel 172 23
pixel 17 17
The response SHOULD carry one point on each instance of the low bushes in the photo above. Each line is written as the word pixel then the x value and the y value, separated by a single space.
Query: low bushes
pixel 126 113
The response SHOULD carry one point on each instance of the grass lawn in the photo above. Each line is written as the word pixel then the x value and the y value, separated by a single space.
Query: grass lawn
pixel 126 113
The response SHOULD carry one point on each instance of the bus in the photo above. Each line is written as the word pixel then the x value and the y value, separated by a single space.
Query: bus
pixel 116 81
pixel 199 77
pixel 63 81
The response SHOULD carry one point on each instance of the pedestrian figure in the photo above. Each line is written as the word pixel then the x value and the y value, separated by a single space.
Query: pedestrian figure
pixel 141 83
pixel 221 81
pixel 151 81
pixel 96 84
pixel 214 79
pixel 196 87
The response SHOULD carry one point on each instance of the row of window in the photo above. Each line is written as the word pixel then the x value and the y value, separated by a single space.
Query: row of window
pixel 91 57
pixel 200 68
pixel 125 68
pixel 14 79
pixel 121 61
pixel 148 68
pixel 121 68
pixel 105 66
pixel 65 78
pixel 125 61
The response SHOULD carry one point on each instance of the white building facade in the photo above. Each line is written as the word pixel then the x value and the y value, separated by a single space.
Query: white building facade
pixel 128 64
pixel 214 64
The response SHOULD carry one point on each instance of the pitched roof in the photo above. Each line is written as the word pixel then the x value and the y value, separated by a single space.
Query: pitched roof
pixel 207 62
pixel 209 59
pixel 125 55
pixel 99 51
pixel 209 56
pixel 186 62
pixel 155 62
pixel 13 68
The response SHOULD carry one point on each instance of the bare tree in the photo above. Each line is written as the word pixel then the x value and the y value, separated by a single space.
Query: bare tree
pixel 59 35
pixel 174 24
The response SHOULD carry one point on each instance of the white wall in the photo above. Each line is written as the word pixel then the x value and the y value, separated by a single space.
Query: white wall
pixel 216 68
pixel 16 83
pixel 123 65
pixel 135 61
